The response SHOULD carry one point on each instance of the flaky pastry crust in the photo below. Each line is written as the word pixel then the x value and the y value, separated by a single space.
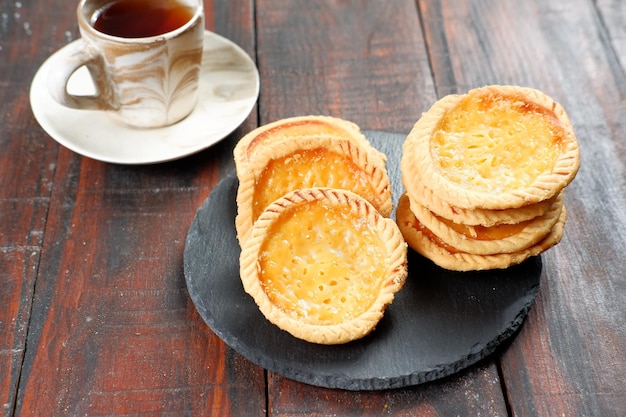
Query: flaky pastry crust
pixel 432 154
pixel 424 242
pixel 478 216
pixel 480 240
pixel 362 167
pixel 291 127
pixel 285 218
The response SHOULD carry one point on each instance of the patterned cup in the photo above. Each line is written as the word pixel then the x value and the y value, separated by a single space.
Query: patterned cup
pixel 146 82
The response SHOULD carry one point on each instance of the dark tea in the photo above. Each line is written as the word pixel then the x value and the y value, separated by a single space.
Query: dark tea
pixel 141 18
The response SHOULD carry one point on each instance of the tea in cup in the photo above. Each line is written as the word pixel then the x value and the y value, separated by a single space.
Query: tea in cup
pixel 144 57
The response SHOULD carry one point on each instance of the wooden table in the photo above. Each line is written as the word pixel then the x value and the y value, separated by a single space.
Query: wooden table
pixel 95 317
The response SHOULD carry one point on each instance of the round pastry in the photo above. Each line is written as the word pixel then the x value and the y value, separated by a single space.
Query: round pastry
pixel 478 216
pixel 482 240
pixel 496 147
pixel 293 127
pixel 429 245
pixel 323 264
pixel 282 166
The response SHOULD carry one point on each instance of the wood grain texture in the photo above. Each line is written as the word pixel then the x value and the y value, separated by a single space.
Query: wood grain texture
pixel 476 391
pixel 235 21
pixel 94 314
pixel 372 70
pixel 113 331
pixel 364 61
pixel 26 174
pixel 17 280
pixel 568 358
pixel 612 15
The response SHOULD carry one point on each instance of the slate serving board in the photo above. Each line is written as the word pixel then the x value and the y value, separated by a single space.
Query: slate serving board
pixel 440 322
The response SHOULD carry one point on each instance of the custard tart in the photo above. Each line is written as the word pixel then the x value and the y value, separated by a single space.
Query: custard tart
pixel 425 242
pixel 478 216
pixel 496 147
pixel 323 264
pixel 294 127
pixel 282 166
pixel 489 240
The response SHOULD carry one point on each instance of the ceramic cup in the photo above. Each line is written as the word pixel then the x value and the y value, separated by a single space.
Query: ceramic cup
pixel 144 81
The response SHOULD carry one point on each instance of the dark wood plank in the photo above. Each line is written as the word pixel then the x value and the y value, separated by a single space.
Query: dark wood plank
pixel 613 15
pixel 475 391
pixel 113 328
pixel 363 61
pixel 16 288
pixel 22 220
pixel 567 359
pixel 235 21
pixel 27 167
pixel 113 331
pixel 372 70
pixel 438 49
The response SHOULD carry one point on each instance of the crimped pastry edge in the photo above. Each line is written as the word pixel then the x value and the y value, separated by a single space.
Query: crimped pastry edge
pixel 417 164
pixel 338 333
pixel 462 261
pixel 536 230
pixel 477 217
pixel 264 135
pixel 363 155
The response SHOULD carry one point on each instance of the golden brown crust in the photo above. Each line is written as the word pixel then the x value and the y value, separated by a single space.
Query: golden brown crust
pixel 288 128
pixel 480 240
pixel 394 266
pixel 365 174
pixel 483 217
pixel 418 162
pixel 424 242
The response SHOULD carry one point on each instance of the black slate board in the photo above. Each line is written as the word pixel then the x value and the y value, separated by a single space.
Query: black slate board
pixel 440 322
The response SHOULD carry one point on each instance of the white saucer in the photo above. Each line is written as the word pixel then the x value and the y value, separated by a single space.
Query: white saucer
pixel 229 87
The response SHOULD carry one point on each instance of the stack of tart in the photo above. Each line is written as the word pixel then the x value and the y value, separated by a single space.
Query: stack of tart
pixel 320 256
pixel 484 176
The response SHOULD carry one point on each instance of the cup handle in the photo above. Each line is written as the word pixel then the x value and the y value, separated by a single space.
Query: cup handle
pixel 81 54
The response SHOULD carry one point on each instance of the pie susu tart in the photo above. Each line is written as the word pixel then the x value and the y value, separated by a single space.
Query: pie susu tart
pixel 310 161
pixel 323 264
pixel 496 147
pixel 482 240
pixel 478 216
pixel 429 245
pixel 294 127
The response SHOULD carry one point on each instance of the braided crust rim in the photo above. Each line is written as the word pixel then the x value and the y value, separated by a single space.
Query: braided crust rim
pixel 534 230
pixel 392 282
pixel 461 261
pixel 279 130
pixel 370 161
pixel 417 162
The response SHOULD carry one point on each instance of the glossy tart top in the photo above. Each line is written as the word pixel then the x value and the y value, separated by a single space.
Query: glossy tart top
pixel 282 166
pixel 323 264
pixel 496 147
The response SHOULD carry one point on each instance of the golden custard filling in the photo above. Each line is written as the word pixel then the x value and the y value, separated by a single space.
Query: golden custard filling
pixel 478 232
pixel 310 168
pixel 495 143
pixel 322 264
